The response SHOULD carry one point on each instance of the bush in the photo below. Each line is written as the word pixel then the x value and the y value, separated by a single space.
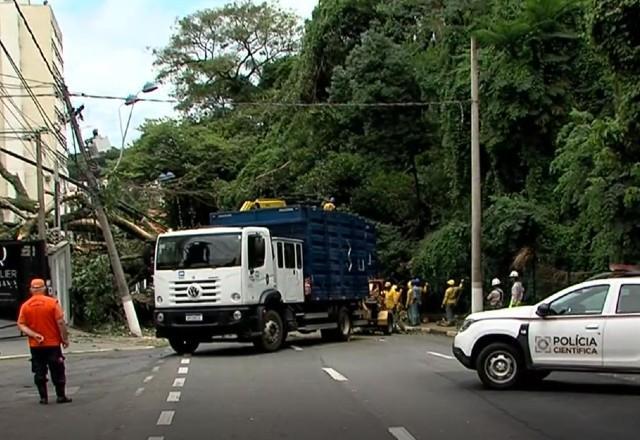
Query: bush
pixel 94 301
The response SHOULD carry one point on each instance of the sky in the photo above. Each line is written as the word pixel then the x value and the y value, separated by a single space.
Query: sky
pixel 107 51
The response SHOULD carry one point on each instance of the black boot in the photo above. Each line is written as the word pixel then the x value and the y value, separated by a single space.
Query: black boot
pixel 42 390
pixel 62 397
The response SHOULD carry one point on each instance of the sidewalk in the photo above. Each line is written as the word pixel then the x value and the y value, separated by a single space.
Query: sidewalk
pixel 81 343
pixel 434 328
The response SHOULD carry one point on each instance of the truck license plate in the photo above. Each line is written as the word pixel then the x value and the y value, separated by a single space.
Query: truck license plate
pixel 196 317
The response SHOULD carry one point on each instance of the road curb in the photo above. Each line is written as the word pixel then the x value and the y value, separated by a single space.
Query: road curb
pixel 434 331
pixel 79 352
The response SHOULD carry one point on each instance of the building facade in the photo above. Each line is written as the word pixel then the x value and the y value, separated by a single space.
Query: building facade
pixel 19 114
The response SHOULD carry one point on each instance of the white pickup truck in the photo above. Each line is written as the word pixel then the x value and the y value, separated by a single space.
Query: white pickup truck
pixel 593 327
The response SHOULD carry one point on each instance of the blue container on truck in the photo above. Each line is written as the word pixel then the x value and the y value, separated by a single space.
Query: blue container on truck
pixel 339 248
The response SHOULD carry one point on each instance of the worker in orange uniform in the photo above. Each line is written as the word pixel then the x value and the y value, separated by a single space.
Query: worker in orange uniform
pixel 42 320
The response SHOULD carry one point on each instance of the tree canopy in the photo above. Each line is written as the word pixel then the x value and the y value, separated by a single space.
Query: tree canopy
pixel 371 105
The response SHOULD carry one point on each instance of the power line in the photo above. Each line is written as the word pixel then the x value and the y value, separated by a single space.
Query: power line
pixel 25 117
pixel 8 75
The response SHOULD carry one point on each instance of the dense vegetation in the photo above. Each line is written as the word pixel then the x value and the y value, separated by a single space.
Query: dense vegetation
pixel 264 114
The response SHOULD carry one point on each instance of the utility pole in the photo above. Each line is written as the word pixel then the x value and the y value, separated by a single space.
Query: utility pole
pixel 101 215
pixel 56 195
pixel 42 224
pixel 476 182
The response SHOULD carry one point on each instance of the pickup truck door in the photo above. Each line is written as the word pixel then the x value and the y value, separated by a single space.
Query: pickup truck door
pixel 573 335
pixel 621 341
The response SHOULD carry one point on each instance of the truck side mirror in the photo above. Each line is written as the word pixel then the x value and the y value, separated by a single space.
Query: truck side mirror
pixel 543 310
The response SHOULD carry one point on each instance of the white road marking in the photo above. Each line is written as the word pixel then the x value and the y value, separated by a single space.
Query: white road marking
pixel 160 361
pixel 185 361
pixel 183 370
pixel 166 418
pixel 148 379
pixel 401 433
pixel 440 355
pixel 155 369
pixel 156 438
pixel 139 391
pixel 174 396
pixel 179 382
pixel 335 375
pixel 382 339
pixel 296 348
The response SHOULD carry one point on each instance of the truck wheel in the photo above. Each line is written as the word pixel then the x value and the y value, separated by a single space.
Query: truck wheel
pixel 390 324
pixel 499 366
pixel 183 346
pixel 343 332
pixel 273 332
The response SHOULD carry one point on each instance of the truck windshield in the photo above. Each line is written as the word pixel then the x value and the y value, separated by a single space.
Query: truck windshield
pixel 199 251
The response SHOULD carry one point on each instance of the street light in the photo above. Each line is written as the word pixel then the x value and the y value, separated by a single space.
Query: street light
pixel 130 101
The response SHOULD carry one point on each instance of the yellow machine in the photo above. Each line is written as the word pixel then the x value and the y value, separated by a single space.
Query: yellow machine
pixel 262 204
pixel 379 318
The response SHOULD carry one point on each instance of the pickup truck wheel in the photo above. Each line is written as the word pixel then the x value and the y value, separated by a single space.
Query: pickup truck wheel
pixel 183 346
pixel 499 366
pixel 273 332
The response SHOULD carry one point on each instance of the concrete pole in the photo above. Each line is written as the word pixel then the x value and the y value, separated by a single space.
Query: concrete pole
pixel 101 215
pixel 42 225
pixel 476 192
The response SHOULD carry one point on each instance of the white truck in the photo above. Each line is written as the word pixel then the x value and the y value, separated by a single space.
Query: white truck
pixel 258 275
pixel 591 327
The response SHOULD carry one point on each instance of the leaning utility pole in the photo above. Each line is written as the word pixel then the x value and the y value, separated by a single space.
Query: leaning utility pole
pixel 476 182
pixel 42 224
pixel 101 215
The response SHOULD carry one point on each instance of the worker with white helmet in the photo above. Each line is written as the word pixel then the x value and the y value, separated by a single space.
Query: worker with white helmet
pixel 517 290
pixel 495 299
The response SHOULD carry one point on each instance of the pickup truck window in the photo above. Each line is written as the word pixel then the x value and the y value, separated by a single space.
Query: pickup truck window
pixel 586 301
pixel 629 299
pixel 198 251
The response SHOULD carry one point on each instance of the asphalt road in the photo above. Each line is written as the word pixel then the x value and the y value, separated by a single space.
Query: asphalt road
pixel 403 387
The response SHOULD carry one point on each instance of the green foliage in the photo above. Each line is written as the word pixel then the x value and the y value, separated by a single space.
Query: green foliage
pixel 95 303
pixel 560 126
pixel 218 55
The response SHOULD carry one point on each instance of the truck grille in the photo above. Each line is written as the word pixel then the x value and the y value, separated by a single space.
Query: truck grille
pixel 195 291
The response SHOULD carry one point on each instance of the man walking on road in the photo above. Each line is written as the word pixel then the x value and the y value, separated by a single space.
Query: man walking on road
pixel 517 290
pixel 42 320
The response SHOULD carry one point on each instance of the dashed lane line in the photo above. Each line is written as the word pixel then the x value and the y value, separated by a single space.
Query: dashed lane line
pixel 166 418
pixel 156 438
pixel 183 370
pixel 178 382
pixel 174 396
pixel 139 391
pixel 155 369
pixel 335 375
pixel 440 355
pixel 296 348
pixel 185 361
pixel 148 379
pixel 400 433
